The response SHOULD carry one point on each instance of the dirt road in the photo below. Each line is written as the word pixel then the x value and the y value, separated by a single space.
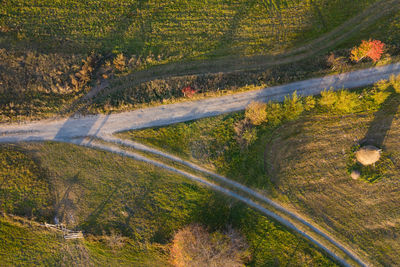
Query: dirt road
pixel 103 125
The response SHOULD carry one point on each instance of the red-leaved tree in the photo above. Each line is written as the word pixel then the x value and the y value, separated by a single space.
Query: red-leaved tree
pixel 371 48
pixel 188 91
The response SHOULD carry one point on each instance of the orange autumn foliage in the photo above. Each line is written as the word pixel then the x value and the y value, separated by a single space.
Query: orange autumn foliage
pixel 371 48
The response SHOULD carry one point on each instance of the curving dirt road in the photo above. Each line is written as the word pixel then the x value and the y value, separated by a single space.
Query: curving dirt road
pixel 89 142
pixel 238 188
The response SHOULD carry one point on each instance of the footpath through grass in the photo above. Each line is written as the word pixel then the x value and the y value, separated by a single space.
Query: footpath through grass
pixel 302 155
pixel 129 211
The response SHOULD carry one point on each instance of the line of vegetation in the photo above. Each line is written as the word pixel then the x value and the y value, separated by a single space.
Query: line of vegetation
pixel 36 86
pixel 225 142
pixel 170 90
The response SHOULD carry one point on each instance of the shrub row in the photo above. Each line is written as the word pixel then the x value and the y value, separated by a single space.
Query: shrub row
pixel 339 102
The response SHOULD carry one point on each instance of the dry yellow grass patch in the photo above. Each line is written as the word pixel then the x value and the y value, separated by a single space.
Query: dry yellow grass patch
pixel 307 159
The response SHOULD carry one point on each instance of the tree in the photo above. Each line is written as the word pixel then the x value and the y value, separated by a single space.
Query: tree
pixel 188 91
pixel 256 112
pixel 371 48
pixel 120 62
pixel 339 102
pixel 293 106
pixel 193 246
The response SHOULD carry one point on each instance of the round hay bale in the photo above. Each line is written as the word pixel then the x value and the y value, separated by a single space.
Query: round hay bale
pixel 355 174
pixel 368 155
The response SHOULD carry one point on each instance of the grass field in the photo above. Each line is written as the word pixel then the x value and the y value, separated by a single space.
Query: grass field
pixel 304 162
pixel 110 197
pixel 26 243
pixel 310 171
pixel 386 29
pixel 171 30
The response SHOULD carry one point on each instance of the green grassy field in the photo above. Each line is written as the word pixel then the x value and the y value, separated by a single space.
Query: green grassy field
pixel 172 30
pixel 109 197
pixel 304 161
pixel 26 243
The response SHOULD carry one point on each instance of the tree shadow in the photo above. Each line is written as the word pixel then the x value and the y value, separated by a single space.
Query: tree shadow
pixel 382 122
pixel 80 128
pixel 319 13
pixel 92 218
pixel 137 201
pixel 64 204
pixel 227 38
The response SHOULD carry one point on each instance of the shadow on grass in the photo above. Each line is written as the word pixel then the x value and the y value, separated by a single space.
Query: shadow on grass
pixel 65 203
pixel 92 219
pixel 228 36
pixel 382 122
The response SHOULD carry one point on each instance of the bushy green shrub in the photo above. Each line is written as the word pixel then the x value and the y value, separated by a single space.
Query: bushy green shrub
pixel 245 133
pixel 274 113
pixel 309 103
pixel 342 101
pixel 382 85
pixel 378 97
pixel 328 98
pixel 379 93
pixel 394 81
pixel 346 102
pixel 293 106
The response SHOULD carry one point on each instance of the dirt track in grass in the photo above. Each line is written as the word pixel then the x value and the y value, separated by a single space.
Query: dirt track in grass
pixel 235 63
